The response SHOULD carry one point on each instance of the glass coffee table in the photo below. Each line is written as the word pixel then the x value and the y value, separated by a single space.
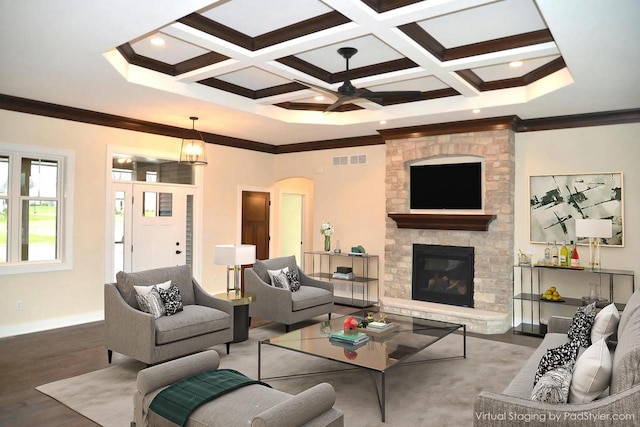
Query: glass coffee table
pixel 381 352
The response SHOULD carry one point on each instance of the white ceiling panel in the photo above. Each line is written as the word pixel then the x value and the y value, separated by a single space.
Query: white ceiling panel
pixel 504 71
pixel 257 17
pixel 424 84
pixel 371 50
pixel 488 22
pixel 172 52
pixel 253 78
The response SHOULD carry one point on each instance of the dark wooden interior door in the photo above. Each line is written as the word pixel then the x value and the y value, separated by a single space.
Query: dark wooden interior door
pixel 255 221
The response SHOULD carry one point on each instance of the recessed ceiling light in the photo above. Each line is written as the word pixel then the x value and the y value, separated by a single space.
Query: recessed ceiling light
pixel 157 41
pixel 515 64
pixel 319 98
pixel 383 122
pixel 475 110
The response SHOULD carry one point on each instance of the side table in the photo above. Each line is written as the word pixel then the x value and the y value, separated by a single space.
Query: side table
pixel 240 301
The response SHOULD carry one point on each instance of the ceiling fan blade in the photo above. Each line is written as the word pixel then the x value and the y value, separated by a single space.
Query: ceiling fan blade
pixel 341 100
pixel 320 88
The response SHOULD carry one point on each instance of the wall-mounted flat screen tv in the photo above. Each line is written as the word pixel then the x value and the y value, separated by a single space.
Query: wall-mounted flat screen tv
pixel 446 186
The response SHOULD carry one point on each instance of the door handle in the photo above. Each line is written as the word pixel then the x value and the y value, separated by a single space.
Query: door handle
pixel 178 252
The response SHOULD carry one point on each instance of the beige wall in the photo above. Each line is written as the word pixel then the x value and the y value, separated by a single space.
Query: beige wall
pixel 352 197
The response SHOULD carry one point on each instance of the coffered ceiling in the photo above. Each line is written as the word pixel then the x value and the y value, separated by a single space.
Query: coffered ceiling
pixel 243 66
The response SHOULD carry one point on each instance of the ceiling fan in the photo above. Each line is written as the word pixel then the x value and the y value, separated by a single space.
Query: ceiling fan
pixel 348 92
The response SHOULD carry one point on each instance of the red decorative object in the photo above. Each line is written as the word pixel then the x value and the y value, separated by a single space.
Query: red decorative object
pixel 350 354
pixel 350 325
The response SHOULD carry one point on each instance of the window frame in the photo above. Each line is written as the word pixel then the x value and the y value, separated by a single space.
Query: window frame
pixel 65 160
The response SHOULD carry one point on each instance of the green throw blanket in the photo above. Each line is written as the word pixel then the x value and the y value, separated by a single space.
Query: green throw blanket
pixel 177 401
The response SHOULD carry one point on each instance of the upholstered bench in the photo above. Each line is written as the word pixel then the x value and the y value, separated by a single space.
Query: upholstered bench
pixel 252 405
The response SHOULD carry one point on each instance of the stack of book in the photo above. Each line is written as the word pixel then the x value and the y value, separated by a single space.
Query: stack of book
pixel 379 326
pixel 379 329
pixel 344 276
pixel 352 339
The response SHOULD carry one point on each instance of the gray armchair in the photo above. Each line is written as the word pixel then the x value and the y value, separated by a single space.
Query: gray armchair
pixel 204 322
pixel 314 298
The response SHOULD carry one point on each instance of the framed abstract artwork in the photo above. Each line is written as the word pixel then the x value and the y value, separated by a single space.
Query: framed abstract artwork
pixel 556 201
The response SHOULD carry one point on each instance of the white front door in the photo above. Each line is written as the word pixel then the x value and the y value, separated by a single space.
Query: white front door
pixel 160 233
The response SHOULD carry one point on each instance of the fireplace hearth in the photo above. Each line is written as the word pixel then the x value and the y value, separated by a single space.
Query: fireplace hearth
pixel 443 274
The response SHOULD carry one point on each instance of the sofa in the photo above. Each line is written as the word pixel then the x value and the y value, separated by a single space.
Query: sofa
pixel 283 304
pixel 204 320
pixel 618 404
pixel 252 405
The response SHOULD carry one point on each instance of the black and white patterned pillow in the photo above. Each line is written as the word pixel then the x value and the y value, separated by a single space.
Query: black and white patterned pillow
pixel 171 299
pixel 553 386
pixel 151 302
pixel 580 329
pixel 294 280
pixel 556 357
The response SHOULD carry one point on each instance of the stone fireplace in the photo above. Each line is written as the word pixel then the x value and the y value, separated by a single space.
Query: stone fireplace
pixel 490 308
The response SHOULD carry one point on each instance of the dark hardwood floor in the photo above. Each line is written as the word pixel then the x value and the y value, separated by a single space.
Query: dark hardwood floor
pixel 30 360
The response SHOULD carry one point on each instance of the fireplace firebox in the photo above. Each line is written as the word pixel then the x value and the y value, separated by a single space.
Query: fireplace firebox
pixel 443 274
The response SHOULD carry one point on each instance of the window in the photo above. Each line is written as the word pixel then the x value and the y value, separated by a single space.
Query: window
pixel 33 214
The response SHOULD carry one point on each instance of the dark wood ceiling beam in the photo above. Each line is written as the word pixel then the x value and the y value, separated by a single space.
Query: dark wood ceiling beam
pixel 199 62
pixel 28 106
pixel 46 109
pixel 374 69
pixel 133 58
pixel 305 67
pixel 299 29
pixel 312 106
pixel 382 6
pixel 479 125
pixel 433 46
pixel 330 144
pixel 216 29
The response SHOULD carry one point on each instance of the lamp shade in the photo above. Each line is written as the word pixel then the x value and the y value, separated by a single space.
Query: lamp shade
pixel 594 228
pixel 234 254
pixel 193 150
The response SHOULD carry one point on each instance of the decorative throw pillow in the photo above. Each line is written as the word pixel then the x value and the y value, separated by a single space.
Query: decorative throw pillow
pixel 279 278
pixel 556 357
pixel 605 323
pixel 144 290
pixel 151 302
pixel 171 299
pixel 580 329
pixel 294 280
pixel 553 386
pixel 592 373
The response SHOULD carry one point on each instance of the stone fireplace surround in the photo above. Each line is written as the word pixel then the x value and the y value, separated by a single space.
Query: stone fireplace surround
pixel 493 248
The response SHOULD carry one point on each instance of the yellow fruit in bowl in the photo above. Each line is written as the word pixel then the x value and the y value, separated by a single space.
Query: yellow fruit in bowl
pixel 552 289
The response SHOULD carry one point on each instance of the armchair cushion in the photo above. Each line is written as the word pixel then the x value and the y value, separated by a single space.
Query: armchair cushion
pixel 308 296
pixel 151 302
pixel 194 320
pixel 278 278
pixel 180 275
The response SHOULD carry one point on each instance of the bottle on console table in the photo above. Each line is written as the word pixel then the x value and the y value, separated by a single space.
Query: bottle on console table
pixel 554 255
pixel 564 255
pixel 575 258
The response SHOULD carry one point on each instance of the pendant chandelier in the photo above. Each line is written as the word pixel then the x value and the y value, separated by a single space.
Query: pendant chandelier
pixel 193 149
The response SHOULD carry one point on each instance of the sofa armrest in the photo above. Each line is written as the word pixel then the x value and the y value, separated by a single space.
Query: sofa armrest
pixel 127 330
pixel 155 377
pixel 305 280
pixel 499 410
pixel 559 324
pixel 299 409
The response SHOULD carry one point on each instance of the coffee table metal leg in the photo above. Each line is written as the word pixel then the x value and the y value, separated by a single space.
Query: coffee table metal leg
pixel 383 403
pixel 259 358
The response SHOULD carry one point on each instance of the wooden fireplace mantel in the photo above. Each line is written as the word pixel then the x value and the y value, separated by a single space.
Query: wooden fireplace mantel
pixel 468 222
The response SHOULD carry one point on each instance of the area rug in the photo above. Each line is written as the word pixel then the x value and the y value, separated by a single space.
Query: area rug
pixel 436 393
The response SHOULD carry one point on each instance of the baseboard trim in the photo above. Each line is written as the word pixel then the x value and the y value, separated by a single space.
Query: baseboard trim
pixel 54 323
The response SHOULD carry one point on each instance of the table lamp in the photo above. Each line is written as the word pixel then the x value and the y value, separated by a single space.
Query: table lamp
pixel 595 230
pixel 233 256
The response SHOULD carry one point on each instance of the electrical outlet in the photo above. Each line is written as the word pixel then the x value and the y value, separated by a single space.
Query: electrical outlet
pixel 18 305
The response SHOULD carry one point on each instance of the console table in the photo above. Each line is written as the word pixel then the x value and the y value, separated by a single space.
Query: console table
pixel 529 296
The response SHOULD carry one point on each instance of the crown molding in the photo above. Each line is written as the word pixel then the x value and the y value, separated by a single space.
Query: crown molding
pixel 514 123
